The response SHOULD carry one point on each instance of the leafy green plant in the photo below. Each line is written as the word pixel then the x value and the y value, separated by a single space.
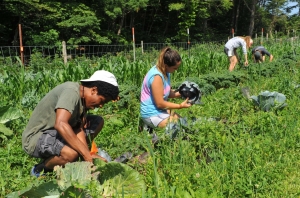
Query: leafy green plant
pixel 233 151
pixel 7 114
pixel 267 100
pixel 78 179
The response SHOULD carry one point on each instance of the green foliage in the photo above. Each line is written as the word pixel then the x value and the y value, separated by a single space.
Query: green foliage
pixel 176 6
pixel 7 114
pixel 111 21
pixel 78 174
pixel 48 189
pixel 127 94
pixel 75 180
pixel 231 150
pixel 267 100
pixel 119 179
pixel 49 38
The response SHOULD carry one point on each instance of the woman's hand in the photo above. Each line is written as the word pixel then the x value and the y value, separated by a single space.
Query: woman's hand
pixel 174 94
pixel 185 104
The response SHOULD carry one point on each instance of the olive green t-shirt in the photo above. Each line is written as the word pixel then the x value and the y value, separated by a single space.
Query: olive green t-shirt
pixel 64 96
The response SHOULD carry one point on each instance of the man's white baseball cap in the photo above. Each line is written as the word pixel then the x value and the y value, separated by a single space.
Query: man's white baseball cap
pixel 102 75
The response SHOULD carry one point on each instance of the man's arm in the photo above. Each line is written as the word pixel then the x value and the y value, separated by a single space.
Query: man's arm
pixel 268 53
pixel 65 130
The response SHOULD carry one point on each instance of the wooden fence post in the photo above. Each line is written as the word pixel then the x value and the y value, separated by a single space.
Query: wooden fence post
pixel 21 45
pixel 262 36
pixel 133 44
pixel 64 51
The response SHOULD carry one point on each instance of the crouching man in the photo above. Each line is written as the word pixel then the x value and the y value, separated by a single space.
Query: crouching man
pixel 259 54
pixel 59 128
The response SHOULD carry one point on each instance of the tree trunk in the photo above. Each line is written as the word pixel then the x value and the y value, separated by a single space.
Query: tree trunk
pixel 232 18
pixel 252 18
pixel 237 15
pixel 16 42
pixel 167 24
pixel 204 25
pixel 121 23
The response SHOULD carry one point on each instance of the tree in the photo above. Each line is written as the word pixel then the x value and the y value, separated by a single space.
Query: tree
pixel 118 10
pixel 74 22
pixel 278 18
pixel 289 8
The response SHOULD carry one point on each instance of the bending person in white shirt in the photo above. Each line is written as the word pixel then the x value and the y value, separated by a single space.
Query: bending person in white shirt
pixel 232 45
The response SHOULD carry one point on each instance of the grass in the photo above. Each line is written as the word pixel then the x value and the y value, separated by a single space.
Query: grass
pixel 247 153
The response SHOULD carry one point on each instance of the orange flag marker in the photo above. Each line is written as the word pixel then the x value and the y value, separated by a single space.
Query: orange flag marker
pixel 94 148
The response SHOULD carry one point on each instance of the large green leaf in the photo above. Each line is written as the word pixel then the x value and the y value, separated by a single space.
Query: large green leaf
pixel 9 113
pixel 46 189
pixel 74 192
pixel 6 131
pixel 119 179
pixel 76 173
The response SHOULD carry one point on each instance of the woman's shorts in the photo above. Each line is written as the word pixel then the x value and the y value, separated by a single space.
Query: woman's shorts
pixel 228 52
pixel 154 121
pixel 51 142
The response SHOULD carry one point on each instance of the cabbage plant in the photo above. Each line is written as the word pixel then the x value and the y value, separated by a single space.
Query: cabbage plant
pixel 267 100
pixel 84 179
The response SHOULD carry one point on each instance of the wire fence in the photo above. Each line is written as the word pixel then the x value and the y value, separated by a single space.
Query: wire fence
pixel 12 54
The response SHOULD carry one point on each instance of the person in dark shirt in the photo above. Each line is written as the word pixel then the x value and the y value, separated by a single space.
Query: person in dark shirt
pixel 259 54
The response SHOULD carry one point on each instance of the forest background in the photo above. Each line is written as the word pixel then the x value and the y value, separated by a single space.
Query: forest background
pixel 92 22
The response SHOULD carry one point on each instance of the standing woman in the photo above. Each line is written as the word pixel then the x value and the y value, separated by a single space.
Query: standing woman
pixel 232 45
pixel 156 89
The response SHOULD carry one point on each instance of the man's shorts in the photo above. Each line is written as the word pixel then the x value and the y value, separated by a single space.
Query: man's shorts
pixel 154 121
pixel 51 142
pixel 257 55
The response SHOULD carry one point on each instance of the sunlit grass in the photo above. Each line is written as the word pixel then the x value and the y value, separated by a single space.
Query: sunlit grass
pixel 245 153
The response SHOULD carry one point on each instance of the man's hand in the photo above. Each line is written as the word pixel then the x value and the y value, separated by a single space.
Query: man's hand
pixel 98 157
pixel 88 158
